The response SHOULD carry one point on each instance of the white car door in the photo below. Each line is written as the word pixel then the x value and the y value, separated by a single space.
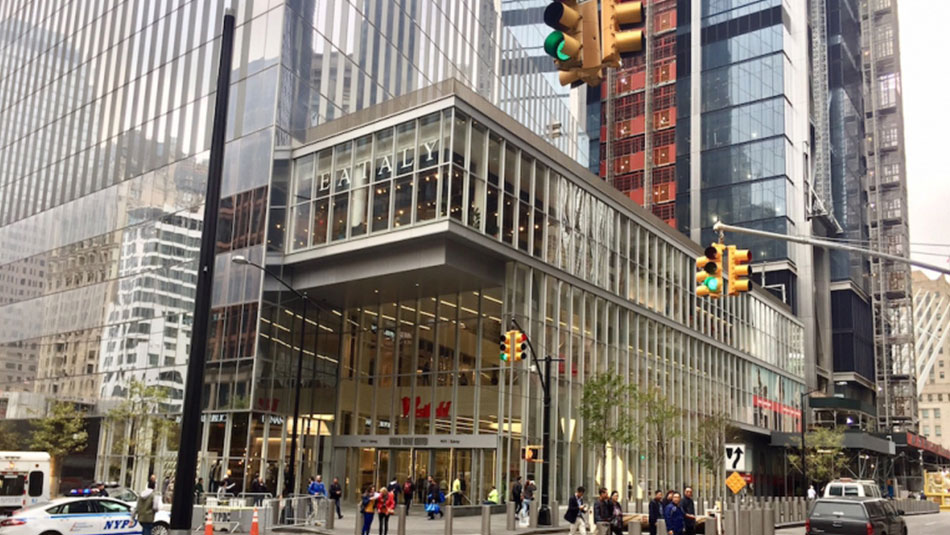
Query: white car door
pixel 78 517
pixel 117 518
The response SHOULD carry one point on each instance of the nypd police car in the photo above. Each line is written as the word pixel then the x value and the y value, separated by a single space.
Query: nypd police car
pixel 80 516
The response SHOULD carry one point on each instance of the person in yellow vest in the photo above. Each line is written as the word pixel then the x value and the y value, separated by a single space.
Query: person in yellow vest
pixel 492 496
pixel 457 490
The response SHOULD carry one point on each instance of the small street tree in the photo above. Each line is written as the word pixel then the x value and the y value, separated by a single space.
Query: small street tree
pixel 606 409
pixel 60 432
pixel 139 425
pixel 712 434
pixel 826 458
pixel 8 437
pixel 663 424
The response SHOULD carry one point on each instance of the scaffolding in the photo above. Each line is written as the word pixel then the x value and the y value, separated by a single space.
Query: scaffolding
pixel 892 303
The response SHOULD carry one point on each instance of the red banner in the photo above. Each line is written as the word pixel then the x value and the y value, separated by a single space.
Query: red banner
pixel 776 407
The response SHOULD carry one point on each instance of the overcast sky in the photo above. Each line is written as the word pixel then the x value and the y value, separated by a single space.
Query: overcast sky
pixel 926 85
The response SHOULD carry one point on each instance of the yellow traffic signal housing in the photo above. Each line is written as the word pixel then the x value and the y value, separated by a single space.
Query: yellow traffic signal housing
pixel 575 42
pixel 506 343
pixel 739 270
pixel 520 341
pixel 709 276
pixel 617 41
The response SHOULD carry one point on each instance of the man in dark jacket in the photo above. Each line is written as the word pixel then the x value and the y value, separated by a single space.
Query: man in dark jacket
pixel 336 492
pixel 674 516
pixel 656 511
pixel 516 494
pixel 603 509
pixel 689 510
pixel 408 489
pixel 576 509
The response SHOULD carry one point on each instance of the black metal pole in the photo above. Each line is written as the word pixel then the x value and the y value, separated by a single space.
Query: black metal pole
pixel 184 496
pixel 298 379
pixel 544 513
pixel 804 455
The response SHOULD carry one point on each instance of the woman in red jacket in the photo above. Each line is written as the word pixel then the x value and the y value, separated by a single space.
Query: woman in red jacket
pixel 385 506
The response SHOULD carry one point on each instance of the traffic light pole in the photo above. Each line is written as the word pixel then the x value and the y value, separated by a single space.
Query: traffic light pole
pixel 722 227
pixel 544 512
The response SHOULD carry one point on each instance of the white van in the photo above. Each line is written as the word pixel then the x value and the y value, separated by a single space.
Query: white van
pixel 852 487
pixel 24 479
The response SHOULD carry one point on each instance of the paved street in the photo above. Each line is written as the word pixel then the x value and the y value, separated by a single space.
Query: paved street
pixel 938 524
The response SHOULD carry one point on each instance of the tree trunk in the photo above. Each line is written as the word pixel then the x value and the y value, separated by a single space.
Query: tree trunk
pixel 57 471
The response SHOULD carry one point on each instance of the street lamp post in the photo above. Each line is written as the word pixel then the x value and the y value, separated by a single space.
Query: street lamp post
pixel 804 425
pixel 243 261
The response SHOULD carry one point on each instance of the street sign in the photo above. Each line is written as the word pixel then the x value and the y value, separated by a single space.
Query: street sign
pixel 737 458
pixel 735 482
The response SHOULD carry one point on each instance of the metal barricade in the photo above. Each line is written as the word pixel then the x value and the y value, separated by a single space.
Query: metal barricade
pixel 304 510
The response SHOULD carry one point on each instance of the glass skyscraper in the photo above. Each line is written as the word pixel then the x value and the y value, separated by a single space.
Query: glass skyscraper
pixel 394 160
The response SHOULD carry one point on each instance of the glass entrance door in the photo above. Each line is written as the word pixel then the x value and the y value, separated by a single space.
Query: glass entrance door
pixel 462 469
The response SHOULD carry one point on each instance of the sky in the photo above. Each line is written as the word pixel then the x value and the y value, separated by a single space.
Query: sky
pixel 926 92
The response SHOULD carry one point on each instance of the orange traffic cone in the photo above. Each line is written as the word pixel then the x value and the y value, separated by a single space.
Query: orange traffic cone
pixel 255 530
pixel 209 524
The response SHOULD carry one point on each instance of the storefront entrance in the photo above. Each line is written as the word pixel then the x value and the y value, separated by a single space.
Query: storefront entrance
pixel 476 467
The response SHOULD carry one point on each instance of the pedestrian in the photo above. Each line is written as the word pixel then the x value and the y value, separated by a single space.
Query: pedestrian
pixel 516 494
pixel 689 510
pixel 492 496
pixel 602 509
pixel 368 506
pixel 668 499
pixel 616 514
pixel 457 490
pixel 527 496
pixel 656 511
pixel 199 489
pixel 408 489
pixel 336 492
pixel 674 516
pixel 811 492
pixel 394 489
pixel 258 490
pixel 434 497
pixel 576 514
pixel 148 504
pixel 385 506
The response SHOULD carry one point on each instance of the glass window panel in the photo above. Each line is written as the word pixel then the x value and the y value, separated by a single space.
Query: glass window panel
pixel 324 172
pixel 301 226
pixel 494 159
pixel 381 194
pixel 384 154
pixel 405 147
pixel 455 193
pixel 459 138
pixel 492 211
pixel 303 178
pixel 477 155
pixel 358 211
pixel 321 217
pixel 402 202
pixel 340 206
pixel 427 188
pixel 342 166
pixel 429 137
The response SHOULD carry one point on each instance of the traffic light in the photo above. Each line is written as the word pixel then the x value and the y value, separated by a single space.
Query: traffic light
pixel 506 342
pixel 738 270
pixel 520 341
pixel 575 42
pixel 532 454
pixel 710 272
pixel 615 16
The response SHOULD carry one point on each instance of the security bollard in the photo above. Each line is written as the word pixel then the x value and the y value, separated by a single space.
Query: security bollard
pixel 661 526
pixel 401 513
pixel 533 514
pixel 744 522
pixel 486 520
pixel 449 513
pixel 729 523
pixel 330 514
pixel 358 525
pixel 634 527
pixel 768 520
pixel 510 516
pixel 555 514
pixel 757 520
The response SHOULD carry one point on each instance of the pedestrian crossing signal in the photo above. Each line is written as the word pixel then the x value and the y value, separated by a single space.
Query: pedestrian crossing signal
pixel 531 454
pixel 709 276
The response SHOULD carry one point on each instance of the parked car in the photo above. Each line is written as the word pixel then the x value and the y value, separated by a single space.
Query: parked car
pixel 855 516
pixel 852 487
pixel 80 516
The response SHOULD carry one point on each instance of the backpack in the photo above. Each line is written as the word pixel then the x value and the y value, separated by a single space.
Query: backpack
pixel 407 488
pixel 145 509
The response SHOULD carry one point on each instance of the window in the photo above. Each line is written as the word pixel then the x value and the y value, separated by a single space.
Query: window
pixel 938 430
pixel 835 490
pixel 36 483
pixel 936 413
pixel 11 485
pixel 925 413
pixel 926 430
pixel 887 90
pixel 109 506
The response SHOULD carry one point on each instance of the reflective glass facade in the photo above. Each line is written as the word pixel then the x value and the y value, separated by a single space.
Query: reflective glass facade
pixel 422 389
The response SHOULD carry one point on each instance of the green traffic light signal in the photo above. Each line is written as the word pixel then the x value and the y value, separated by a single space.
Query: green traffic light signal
pixel 554 45
pixel 712 283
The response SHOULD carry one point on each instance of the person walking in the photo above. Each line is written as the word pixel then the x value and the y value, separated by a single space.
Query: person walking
pixel 199 489
pixel 368 506
pixel 527 496
pixel 408 489
pixel 148 504
pixel 434 498
pixel 516 489
pixel 602 509
pixel 385 506
pixel 616 514
pixel 457 490
pixel 689 510
pixel 656 511
pixel 674 516
pixel 336 493
pixel 812 494
pixel 258 490
pixel 576 514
